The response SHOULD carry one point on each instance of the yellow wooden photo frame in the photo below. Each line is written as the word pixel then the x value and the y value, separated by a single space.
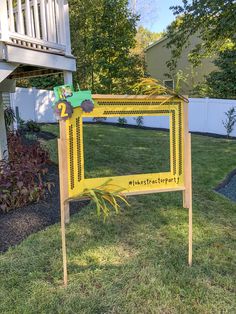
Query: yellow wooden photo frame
pixel 117 106
pixel 71 154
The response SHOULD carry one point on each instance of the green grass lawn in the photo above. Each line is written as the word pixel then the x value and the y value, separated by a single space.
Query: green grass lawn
pixel 136 262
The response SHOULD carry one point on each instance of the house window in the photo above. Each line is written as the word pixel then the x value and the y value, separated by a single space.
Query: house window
pixel 169 84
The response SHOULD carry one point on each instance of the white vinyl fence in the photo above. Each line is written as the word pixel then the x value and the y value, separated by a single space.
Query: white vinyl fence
pixel 205 115
pixel 33 104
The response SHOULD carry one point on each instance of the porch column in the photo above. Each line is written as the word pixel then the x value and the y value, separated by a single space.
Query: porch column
pixel 3 133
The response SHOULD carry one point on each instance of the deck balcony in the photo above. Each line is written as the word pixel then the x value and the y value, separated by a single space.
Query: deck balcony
pixel 34 38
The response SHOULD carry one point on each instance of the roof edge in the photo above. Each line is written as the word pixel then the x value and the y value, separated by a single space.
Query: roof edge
pixel 156 43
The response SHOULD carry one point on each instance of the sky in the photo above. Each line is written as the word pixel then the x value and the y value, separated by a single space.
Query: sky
pixel 155 14
pixel 164 15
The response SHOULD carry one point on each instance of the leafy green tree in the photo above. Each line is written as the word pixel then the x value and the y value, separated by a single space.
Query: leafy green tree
pixel 214 22
pixel 221 84
pixel 42 82
pixel 144 38
pixel 103 34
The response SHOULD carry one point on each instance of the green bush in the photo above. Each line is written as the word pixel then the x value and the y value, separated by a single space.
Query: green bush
pixel 9 116
pixel 122 121
pixel 32 126
pixel 139 121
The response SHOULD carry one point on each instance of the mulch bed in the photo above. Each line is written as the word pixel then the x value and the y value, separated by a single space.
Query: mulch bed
pixel 228 186
pixel 18 224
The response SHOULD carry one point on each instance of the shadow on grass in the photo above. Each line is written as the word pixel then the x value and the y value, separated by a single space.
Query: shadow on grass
pixel 138 253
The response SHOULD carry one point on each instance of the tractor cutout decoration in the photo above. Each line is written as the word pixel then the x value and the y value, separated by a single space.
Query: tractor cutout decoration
pixel 66 99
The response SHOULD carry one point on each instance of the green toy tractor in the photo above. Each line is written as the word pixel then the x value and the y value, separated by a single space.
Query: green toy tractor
pixel 66 99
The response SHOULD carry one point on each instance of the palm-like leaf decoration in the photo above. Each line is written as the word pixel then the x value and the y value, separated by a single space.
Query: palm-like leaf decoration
pixel 106 197
pixel 150 86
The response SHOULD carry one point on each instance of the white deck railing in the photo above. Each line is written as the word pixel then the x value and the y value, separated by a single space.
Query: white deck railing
pixel 37 24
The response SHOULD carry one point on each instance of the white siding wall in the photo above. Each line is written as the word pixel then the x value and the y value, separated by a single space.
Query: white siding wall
pixel 34 104
pixel 205 115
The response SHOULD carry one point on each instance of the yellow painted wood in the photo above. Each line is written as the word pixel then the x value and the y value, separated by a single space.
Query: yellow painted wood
pixel 127 106
pixel 71 154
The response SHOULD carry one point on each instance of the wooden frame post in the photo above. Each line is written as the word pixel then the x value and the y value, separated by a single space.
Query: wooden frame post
pixel 190 223
pixel 63 180
pixel 187 193
pixel 63 174
pixel 67 80
pixel 63 171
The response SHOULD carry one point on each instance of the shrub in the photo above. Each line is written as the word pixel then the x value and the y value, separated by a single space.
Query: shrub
pixel 122 121
pixel 99 119
pixel 22 176
pixel 21 124
pixel 139 121
pixel 230 121
pixel 32 126
pixel 9 116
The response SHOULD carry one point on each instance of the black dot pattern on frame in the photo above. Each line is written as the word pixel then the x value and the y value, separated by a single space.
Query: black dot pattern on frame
pixel 180 141
pixel 134 112
pixel 135 103
pixel 129 112
pixel 78 143
pixel 71 152
pixel 174 141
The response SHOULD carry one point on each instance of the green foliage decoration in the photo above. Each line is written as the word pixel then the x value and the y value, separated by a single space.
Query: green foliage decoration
pixel 151 86
pixel 106 197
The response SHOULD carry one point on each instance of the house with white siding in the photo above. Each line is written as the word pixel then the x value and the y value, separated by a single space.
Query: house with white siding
pixel 34 41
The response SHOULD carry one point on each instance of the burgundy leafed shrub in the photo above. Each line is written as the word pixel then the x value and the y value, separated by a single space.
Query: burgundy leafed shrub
pixel 22 176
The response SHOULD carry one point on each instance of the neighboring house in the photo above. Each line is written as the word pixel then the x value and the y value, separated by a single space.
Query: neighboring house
pixel 157 54
pixel 34 41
